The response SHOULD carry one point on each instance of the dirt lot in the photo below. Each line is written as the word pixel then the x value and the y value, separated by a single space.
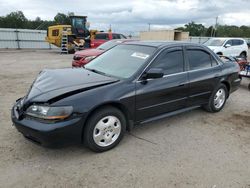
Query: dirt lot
pixel 194 149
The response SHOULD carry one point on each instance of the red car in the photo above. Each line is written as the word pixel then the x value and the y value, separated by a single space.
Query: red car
pixel 84 56
pixel 242 62
pixel 102 37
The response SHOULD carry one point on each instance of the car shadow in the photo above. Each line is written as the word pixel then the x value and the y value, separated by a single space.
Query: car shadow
pixel 138 132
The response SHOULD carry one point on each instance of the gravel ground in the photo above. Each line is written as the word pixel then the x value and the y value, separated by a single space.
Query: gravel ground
pixel 194 149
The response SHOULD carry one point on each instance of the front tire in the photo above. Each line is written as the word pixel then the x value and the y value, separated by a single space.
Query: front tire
pixel 217 99
pixel 243 55
pixel 104 129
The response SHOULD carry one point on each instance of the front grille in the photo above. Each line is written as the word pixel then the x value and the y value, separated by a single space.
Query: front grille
pixel 18 109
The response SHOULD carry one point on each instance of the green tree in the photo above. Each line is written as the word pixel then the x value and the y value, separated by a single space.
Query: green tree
pixel 180 29
pixel 61 18
pixel 195 29
pixel 14 20
pixel 209 31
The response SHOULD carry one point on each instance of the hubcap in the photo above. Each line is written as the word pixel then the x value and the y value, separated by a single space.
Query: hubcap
pixel 106 131
pixel 219 98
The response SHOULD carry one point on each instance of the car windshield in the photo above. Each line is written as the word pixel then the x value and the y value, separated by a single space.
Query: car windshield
pixel 122 61
pixel 109 44
pixel 214 42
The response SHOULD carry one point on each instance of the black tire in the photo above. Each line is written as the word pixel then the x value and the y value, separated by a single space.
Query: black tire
pixel 243 55
pixel 88 135
pixel 211 107
pixel 249 86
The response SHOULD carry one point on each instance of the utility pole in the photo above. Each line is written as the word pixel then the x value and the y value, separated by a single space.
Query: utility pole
pixel 213 31
pixel 149 26
pixel 216 25
pixel 110 28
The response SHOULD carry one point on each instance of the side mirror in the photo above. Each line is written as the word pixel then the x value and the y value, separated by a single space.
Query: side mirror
pixel 227 45
pixel 153 73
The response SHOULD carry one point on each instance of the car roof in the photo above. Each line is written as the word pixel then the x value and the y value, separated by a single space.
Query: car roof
pixel 106 33
pixel 159 44
pixel 226 38
pixel 123 40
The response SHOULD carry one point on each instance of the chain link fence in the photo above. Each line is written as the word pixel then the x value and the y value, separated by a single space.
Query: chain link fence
pixel 23 39
pixel 35 39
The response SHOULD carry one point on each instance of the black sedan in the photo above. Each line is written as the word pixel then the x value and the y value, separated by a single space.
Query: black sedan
pixel 131 84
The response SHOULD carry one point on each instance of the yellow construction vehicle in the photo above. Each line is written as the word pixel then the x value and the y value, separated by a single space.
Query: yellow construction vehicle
pixel 71 37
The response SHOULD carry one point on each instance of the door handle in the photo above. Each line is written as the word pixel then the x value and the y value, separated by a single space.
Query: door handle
pixel 181 84
pixel 217 75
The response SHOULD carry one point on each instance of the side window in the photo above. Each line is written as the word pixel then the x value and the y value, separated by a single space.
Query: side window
pixel 229 42
pixel 241 42
pixel 115 36
pixel 55 32
pixel 198 59
pixel 236 42
pixel 170 61
pixel 214 61
pixel 102 36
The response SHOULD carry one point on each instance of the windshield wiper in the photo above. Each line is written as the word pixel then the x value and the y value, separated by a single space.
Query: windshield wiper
pixel 100 49
pixel 97 71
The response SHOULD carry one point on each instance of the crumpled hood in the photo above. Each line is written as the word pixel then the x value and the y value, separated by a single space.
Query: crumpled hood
pixel 51 84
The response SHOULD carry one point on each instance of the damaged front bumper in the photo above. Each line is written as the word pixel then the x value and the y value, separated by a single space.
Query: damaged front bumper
pixel 48 134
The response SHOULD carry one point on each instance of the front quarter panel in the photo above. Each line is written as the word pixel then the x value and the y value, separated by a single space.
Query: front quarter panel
pixel 122 93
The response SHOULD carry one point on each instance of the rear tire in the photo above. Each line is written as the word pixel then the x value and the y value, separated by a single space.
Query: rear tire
pixel 217 99
pixel 104 129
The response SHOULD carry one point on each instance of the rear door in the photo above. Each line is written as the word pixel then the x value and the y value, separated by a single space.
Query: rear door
pixel 158 96
pixel 238 47
pixel 204 75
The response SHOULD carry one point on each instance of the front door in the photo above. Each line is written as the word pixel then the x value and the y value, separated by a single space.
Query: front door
pixel 158 96
pixel 229 51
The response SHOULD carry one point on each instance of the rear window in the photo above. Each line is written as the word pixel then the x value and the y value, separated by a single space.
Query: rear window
pixel 103 36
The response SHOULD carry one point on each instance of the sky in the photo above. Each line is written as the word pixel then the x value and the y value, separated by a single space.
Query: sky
pixel 131 16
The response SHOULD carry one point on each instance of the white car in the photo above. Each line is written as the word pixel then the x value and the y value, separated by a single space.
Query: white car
pixel 236 47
